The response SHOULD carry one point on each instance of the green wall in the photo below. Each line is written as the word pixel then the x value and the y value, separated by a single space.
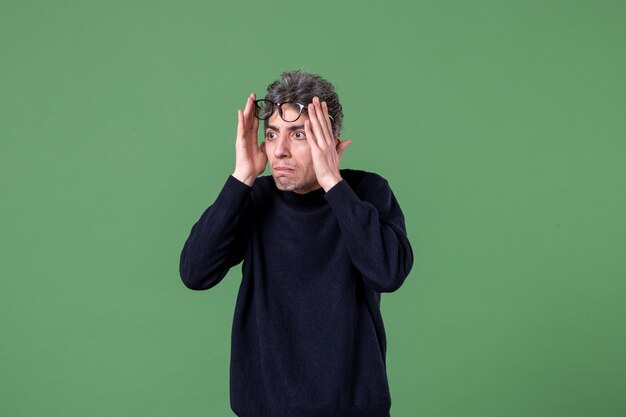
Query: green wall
pixel 500 126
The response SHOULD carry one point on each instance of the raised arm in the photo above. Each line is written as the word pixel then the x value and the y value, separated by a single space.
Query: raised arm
pixel 372 228
pixel 250 157
pixel 217 240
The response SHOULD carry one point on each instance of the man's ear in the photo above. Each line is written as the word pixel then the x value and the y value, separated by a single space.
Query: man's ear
pixel 341 146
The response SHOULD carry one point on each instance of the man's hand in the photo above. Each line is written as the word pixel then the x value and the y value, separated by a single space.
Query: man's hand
pixel 326 149
pixel 250 158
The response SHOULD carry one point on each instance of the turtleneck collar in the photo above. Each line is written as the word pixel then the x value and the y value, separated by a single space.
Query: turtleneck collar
pixel 313 198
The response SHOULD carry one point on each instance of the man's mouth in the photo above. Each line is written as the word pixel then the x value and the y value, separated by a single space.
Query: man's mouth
pixel 283 168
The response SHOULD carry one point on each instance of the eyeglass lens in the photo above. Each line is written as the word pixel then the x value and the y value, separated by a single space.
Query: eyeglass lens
pixel 289 112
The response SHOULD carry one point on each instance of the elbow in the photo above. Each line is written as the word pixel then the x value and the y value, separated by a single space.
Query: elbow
pixel 396 276
pixel 190 280
pixel 192 283
pixel 384 281
pixel 404 266
pixel 198 280
pixel 193 275
pixel 392 284
pixel 397 267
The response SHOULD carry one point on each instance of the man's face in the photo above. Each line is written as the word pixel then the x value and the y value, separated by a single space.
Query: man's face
pixel 289 154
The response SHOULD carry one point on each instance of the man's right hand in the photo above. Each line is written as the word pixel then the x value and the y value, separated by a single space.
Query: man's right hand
pixel 250 159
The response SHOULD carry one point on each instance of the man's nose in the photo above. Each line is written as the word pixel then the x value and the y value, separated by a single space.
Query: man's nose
pixel 281 148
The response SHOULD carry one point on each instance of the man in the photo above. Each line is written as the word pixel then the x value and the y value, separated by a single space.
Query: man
pixel 318 246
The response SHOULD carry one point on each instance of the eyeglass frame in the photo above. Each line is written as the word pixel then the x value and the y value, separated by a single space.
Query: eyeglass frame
pixel 257 108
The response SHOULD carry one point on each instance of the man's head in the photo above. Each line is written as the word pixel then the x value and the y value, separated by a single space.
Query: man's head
pixel 286 145
pixel 300 87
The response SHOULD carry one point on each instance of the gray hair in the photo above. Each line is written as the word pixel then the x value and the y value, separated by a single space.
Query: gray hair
pixel 300 87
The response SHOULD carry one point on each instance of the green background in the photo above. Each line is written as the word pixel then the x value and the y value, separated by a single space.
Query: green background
pixel 500 126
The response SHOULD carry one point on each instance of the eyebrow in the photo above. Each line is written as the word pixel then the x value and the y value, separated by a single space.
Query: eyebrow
pixel 295 127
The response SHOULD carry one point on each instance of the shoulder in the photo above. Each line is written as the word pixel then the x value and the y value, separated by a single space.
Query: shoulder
pixel 372 188
pixel 263 188
pixel 264 183
pixel 363 182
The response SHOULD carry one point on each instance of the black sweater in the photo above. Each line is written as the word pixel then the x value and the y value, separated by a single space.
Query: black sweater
pixel 308 338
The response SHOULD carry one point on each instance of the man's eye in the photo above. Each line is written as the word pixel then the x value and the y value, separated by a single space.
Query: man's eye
pixel 299 135
pixel 270 135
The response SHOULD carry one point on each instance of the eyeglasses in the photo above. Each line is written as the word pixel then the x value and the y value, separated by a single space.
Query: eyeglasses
pixel 289 111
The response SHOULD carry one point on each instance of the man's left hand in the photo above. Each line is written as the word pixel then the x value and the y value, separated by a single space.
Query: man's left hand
pixel 326 149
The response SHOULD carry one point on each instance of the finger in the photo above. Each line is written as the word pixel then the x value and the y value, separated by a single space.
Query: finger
pixel 255 125
pixel 315 126
pixel 310 137
pixel 248 112
pixel 239 123
pixel 329 126
pixel 322 118
pixel 308 124
pixel 248 105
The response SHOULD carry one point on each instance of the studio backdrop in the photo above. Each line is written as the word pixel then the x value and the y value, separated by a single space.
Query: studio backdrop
pixel 500 126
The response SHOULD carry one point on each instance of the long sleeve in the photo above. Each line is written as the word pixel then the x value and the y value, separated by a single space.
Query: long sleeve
pixel 215 243
pixel 308 338
pixel 373 232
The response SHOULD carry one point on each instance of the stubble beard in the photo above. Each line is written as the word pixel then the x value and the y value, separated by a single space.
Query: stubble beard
pixel 284 183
